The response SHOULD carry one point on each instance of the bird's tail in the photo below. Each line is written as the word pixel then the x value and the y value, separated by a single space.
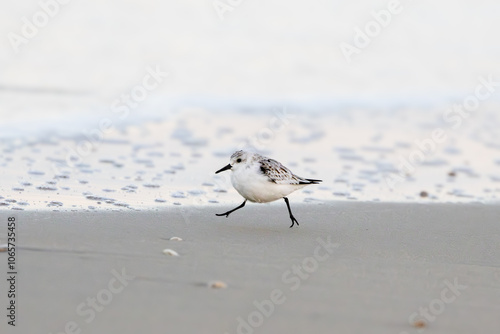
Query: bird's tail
pixel 310 181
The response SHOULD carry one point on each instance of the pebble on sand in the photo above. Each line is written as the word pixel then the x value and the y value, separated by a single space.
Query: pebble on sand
pixel 175 239
pixel 419 324
pixel 217 285
pixel 170 252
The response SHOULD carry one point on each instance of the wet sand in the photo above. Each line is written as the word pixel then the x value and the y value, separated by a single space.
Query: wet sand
pixel 348 268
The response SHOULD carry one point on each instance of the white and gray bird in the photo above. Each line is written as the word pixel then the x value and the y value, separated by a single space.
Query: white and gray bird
pixel 261 180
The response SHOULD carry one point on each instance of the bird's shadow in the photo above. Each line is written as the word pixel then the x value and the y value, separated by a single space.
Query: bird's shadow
pixel 258 227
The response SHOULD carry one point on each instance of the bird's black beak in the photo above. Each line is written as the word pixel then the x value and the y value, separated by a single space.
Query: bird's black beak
pixel 224 168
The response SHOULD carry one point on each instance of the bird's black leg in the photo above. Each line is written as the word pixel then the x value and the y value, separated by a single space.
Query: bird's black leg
pixel 230 211
pixel 290 212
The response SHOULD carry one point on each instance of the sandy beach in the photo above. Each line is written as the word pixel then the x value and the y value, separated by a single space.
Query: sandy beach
pixel 349 267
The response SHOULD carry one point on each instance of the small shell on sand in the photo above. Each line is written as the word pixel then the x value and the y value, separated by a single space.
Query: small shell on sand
pixel 217 285
pixel 419 324
pixel 4 247
pixel 170 252
pixel 175 239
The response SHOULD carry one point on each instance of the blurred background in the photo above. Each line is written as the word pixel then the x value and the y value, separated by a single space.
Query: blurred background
pixel 194 80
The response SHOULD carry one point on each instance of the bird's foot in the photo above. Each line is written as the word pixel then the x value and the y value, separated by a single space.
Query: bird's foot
pixel 231 211
pixel 294 221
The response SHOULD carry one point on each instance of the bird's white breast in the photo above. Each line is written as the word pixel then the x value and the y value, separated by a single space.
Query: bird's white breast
pixel 252 184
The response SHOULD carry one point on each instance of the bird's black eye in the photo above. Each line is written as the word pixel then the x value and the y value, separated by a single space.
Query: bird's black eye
pixel 238 160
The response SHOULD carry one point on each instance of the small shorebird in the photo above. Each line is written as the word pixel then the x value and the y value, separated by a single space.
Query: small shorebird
pixel 260 179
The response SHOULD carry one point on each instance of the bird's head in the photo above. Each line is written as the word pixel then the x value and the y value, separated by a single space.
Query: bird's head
pixel 238 159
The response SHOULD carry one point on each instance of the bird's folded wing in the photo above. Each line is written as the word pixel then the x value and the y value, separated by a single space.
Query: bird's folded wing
pixel 277 173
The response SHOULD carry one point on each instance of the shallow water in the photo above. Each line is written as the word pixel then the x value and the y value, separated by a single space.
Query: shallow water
pixel 165 163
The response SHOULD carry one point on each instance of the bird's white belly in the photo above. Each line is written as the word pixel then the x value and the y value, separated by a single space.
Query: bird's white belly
pixel 257 188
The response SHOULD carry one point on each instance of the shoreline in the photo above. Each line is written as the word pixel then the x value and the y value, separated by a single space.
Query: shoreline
pixel 234 201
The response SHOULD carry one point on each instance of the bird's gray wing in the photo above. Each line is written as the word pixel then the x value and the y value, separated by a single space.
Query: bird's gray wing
pixel 279 174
